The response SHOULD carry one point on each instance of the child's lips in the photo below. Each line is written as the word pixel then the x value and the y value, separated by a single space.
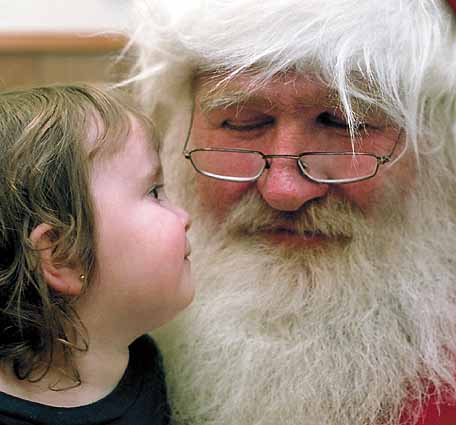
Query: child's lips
pixel 188 249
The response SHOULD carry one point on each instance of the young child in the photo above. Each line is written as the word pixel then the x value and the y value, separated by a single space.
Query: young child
pixel 92 256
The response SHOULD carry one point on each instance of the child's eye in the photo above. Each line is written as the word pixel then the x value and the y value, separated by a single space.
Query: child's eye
pixel 158 192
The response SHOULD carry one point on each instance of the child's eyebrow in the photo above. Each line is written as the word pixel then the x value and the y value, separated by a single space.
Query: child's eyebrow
pixel 156 173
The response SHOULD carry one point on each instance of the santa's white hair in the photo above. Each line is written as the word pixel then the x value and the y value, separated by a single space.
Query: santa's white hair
pixel 334 338
pixel 402 51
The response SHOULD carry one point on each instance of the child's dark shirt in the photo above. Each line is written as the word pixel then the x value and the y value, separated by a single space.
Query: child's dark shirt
pixel 139 398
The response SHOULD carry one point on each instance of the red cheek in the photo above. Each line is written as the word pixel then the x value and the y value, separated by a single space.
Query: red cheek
pixel 362 194
pixel 217 196
pixel 368 194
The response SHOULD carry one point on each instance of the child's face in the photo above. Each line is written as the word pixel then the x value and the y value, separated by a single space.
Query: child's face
pixel 142 269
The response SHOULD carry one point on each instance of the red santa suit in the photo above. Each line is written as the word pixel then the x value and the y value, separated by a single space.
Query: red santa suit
pixel 435 413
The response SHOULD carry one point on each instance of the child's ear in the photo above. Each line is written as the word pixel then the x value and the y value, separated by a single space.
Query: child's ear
pixel 65 280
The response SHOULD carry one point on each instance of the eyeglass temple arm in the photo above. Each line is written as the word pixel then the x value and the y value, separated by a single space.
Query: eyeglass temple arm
pixel 388 157
pixel 189 130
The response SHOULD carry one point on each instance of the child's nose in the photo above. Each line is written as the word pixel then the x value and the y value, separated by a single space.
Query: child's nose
pixel 184 217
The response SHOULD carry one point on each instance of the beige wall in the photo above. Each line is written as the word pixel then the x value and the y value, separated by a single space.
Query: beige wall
pixel 43 58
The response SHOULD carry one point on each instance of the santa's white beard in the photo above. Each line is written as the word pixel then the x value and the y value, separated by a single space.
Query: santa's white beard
pixel 341 335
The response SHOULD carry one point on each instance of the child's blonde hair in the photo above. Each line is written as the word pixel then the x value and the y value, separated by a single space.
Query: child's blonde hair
pixel 45 156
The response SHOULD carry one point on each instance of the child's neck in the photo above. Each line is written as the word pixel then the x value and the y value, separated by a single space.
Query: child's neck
pixel 100 371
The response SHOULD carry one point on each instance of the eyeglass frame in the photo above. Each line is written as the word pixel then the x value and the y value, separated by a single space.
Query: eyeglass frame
pixel 381 160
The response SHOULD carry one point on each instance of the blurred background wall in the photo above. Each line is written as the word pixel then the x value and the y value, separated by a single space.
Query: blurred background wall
pixel 47 41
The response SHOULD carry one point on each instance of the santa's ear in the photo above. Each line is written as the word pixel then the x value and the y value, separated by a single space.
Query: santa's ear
pixel 63 279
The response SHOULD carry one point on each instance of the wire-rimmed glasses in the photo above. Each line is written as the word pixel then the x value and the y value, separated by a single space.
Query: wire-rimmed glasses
pixel 245 165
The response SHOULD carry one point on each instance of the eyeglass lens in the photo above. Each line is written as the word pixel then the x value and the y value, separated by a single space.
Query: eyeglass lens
pixel 323 167
pixel 229 164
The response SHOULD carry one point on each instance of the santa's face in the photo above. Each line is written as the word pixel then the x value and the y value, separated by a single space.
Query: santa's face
pixel 316 303
pixel 290 115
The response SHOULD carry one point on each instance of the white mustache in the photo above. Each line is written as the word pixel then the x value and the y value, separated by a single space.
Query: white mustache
pixel 330 217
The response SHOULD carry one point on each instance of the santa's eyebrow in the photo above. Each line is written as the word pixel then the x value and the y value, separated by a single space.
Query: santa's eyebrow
pixel 219 99
pixel 214 100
